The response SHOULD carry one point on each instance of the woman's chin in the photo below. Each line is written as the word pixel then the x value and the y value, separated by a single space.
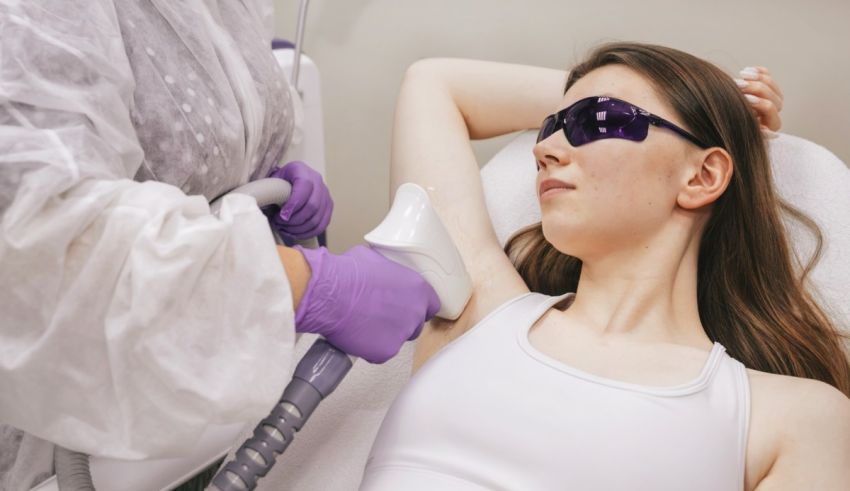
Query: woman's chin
pixel 563 245
pixel 569 241
pixel 559 230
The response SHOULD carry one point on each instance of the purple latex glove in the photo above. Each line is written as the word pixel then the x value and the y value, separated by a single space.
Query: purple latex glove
pixel 307 212
pixel 363 303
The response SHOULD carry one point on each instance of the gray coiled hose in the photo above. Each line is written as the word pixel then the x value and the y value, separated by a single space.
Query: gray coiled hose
pixel 317 375
pixel 73 472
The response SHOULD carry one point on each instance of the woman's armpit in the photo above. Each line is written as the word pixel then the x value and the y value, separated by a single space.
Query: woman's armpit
pixel 494 282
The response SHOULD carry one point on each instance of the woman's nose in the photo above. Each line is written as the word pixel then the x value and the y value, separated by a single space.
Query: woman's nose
pixel 553 150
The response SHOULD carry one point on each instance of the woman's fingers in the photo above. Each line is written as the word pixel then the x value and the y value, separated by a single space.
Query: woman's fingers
pixel 766 111
pixel 763 94
pixel 767 78
pixel 760 85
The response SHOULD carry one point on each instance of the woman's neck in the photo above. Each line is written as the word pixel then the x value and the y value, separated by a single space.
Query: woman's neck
pixel 647 293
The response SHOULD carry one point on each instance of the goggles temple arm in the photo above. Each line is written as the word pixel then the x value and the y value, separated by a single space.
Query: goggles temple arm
pixel 655 120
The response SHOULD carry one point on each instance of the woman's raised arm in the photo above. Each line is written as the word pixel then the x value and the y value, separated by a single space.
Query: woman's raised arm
pixel 441 105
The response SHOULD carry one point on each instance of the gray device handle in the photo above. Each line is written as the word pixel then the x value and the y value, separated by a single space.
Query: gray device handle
pixel 268 191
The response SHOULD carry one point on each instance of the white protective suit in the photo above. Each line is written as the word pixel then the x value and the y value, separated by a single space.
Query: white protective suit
pixel 130 317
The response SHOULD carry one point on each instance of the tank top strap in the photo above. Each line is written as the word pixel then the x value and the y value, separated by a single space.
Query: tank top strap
pixel 521 310
pixel 527 308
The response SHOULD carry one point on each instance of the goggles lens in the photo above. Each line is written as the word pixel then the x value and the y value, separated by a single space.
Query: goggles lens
pixel 598 118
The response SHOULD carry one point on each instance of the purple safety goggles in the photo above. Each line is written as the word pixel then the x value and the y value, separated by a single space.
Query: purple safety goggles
pixel 596 118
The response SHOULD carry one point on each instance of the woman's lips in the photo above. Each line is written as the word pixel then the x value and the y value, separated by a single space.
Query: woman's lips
pixel 549 187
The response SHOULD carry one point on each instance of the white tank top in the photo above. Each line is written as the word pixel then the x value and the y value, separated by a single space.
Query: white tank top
pixel 489 411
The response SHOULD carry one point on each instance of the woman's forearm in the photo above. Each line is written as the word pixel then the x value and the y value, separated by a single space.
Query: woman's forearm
pixel 445 102
pixel 497 98
pixel 297 272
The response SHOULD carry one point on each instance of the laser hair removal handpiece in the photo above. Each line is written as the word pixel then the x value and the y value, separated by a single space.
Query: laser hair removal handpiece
pixel 412 235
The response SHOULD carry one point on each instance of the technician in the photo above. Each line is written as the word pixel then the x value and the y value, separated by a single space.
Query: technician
pixel 130 316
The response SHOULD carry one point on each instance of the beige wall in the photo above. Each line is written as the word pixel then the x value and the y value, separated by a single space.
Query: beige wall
pixel 362 48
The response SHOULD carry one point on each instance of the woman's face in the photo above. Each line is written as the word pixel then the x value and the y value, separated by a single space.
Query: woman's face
pixel 624 191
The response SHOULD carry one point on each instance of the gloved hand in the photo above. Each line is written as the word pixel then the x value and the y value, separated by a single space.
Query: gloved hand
pixel 308 210
pixel 363 303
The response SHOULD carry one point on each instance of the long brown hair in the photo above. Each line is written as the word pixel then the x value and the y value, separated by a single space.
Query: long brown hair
pixel 750 297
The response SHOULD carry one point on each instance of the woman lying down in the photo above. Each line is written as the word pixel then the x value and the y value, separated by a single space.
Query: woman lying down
pixel 652 332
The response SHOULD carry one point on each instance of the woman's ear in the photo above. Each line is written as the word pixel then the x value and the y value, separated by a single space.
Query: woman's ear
pixel 711 173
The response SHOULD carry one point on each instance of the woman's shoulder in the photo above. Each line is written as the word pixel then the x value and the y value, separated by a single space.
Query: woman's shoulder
pixel 796 393
pixel 800 399
pixel 795 422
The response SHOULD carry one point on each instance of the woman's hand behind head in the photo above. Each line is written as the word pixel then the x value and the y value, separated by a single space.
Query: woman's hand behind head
pixel 764 95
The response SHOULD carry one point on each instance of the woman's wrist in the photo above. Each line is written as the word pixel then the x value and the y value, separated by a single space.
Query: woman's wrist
pixel 297 272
